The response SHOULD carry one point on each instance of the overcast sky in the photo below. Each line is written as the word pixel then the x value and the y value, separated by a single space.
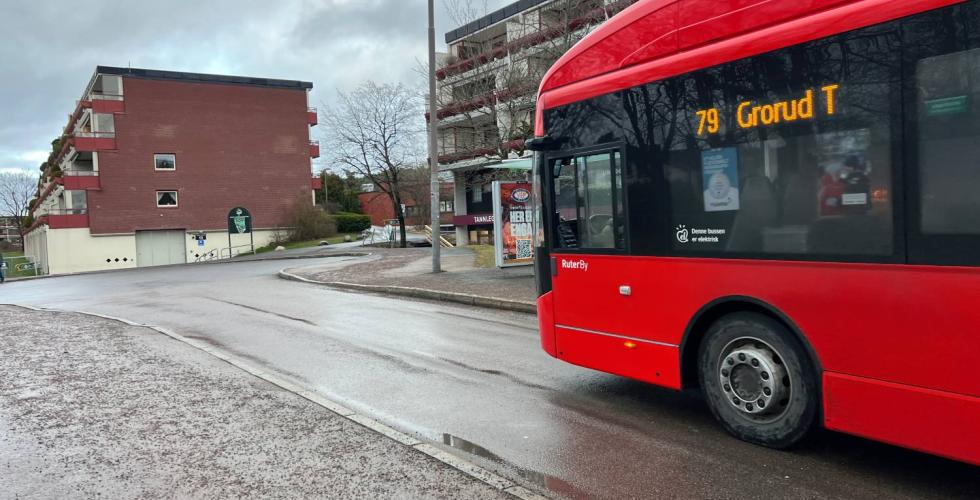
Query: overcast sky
pixel 51 48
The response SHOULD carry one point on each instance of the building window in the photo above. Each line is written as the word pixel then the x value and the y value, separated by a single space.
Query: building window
pixel 166 199
pixel 165 161
pixel 446 206
pixel 478 193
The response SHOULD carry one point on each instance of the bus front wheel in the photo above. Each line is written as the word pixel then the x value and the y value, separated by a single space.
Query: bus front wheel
pixel 758 380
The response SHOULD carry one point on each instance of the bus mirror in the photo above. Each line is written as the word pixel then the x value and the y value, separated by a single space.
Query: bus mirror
pixel 541 144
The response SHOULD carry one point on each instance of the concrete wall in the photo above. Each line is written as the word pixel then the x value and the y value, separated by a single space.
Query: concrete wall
pixel 216 243
pixel 77 250
pixel 62 251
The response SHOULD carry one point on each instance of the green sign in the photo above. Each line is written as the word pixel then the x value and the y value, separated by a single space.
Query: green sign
pixel 239 221
pixel 947 106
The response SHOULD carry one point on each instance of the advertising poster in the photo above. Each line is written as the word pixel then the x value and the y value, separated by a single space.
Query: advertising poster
pixel 512 223
pixel 719 169
pixel 845 186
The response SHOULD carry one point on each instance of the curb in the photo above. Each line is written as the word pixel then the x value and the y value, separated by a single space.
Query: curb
pixel 457 462
pixel 203 263
pixel 423 293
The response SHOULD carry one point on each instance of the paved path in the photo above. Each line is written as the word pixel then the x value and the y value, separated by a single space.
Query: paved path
pixel 412 267
pixel 476 381
pixel 92 407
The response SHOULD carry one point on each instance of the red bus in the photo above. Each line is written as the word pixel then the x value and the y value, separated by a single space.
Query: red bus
pixel 776 202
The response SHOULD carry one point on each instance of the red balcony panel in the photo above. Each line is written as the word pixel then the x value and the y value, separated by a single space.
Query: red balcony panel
pixel 67 220
pixel 77 181
pixel 108 106
pixel 314 149
pixel 316 183
pixel 311 116
pixel 95 142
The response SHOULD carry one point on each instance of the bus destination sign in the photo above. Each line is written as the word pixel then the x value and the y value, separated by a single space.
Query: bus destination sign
pixel 751 114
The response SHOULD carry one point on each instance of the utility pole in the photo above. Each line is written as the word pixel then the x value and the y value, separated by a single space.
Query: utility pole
pixel 433 146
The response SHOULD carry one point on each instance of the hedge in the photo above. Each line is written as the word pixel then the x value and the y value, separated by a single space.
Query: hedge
pixel 352 223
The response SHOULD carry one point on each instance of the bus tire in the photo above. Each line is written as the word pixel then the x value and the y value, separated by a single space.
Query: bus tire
pixel 758 380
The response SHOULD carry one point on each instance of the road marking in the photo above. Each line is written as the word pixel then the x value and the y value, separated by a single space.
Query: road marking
pixel 452 460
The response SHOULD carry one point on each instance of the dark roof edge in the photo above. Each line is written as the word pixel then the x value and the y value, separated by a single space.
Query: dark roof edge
pixel 153 74
pixel 492 18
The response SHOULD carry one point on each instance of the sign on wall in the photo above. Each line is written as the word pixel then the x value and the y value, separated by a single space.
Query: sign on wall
pixel 512 223
pixel 239 221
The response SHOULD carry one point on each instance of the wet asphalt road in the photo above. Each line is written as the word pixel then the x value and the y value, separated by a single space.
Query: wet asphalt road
pixel 476 380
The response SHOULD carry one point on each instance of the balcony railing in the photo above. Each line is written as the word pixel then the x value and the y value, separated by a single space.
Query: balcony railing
pixel 68 211
pixel 81 180
pixel 314 149
pixel 515 144
pixel 592 17
pixel 69 218
pixel 94 141
pixel 311 116
pixel 491 99
pixel 107 103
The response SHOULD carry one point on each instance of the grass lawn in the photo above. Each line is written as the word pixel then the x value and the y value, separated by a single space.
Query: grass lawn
pixel 484 255
pixel 333 240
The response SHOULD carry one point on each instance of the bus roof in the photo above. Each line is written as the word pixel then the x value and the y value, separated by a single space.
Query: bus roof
pixel 662 38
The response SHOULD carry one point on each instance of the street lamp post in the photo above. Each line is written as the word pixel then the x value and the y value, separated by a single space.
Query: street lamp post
pixel 433 146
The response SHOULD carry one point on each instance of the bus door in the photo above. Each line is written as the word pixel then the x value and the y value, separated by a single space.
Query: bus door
pixel 596 319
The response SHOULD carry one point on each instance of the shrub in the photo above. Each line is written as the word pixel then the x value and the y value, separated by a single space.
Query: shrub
pixel 352 223
pixel 309 222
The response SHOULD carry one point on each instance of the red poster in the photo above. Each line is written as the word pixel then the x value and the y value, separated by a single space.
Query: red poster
pixel 513 227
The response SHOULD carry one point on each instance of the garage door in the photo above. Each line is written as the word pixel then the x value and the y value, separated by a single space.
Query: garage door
pixel 158 248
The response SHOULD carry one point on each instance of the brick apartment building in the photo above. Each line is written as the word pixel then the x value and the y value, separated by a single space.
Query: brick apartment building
pixel 151 158
pixel 487 91
pixel 376 204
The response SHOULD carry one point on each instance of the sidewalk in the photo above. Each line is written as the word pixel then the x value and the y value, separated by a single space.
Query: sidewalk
pixel 92 407
pixel 408 271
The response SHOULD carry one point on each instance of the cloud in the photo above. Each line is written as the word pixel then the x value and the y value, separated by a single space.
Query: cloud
pixel 51 49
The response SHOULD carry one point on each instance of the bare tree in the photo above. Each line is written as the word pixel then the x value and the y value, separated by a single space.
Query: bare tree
pixel 374 133
pixel 16 192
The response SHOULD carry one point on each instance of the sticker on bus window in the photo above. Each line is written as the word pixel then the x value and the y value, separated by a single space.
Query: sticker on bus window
pixel 719 170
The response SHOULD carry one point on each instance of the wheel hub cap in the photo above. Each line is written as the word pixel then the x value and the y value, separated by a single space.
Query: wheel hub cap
pixel 752 378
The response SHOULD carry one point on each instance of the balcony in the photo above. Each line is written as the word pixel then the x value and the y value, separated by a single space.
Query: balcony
pixel 311 117
pixel 314 149
pixel 81 180
pixel 107 103
pixel 68 218
pixel 94 141
pixel 593 17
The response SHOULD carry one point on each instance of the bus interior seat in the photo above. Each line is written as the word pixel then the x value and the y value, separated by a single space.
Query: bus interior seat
pixel 601 231
pixel 799 201
pixel 758 209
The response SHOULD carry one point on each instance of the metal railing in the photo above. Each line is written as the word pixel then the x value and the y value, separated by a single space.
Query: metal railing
pixel 443 242
pixel 105 97
pixel 67 211
pixel 231 251
pixel 97 135
pixel 210 255
pixel 80 173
